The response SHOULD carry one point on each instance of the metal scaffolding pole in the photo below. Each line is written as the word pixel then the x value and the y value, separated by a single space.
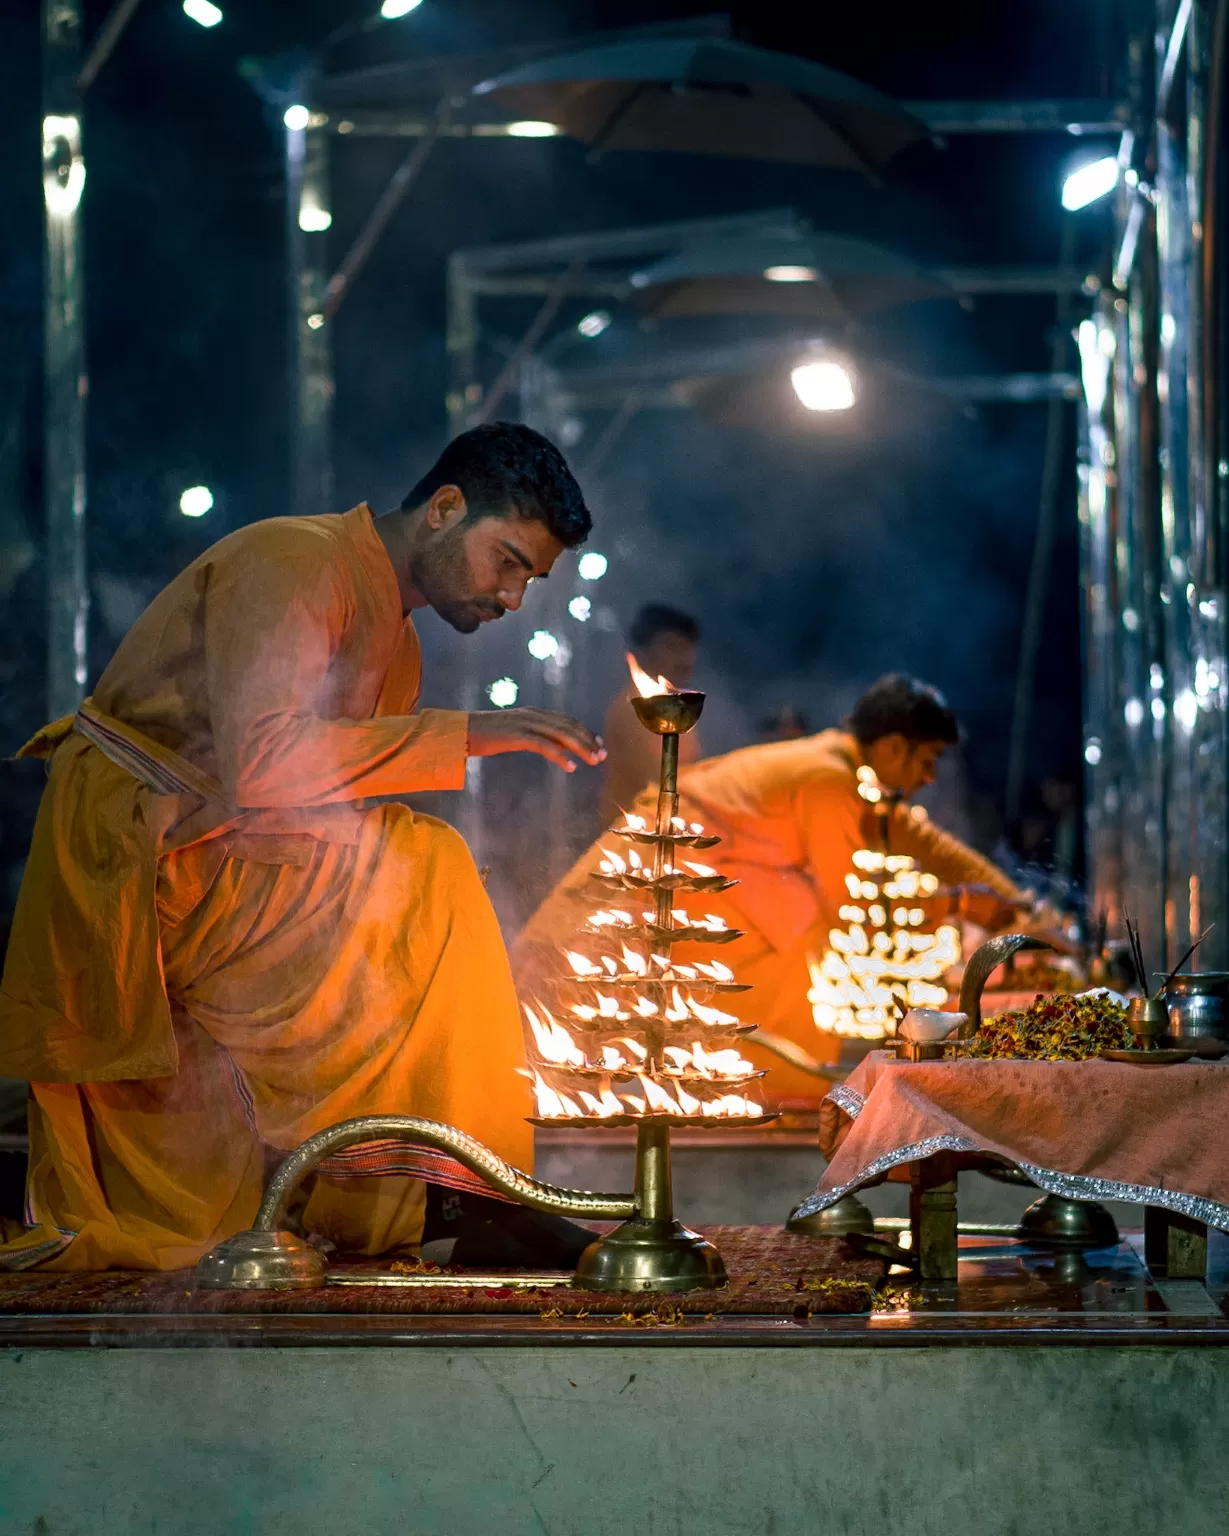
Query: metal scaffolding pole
pixel 64 359
pixel 308 218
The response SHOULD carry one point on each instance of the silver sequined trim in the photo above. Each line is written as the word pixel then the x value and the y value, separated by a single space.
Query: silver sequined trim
pixel 1075 1186
pixel 848 1099
pixel 1071 1186
pixel 912 1154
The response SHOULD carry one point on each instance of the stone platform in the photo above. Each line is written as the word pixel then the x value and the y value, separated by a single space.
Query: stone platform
pixel 1072 1393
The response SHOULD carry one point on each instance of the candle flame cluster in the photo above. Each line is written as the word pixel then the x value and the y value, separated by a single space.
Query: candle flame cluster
pixel 883 960
pixel 632 1033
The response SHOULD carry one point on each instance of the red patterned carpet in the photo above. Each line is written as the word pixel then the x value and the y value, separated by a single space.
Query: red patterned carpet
pixel 771 1273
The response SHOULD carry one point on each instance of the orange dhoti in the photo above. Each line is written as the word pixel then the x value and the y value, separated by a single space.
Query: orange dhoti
pixel 363 979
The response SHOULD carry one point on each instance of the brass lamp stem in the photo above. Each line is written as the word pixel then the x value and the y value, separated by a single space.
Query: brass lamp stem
pixel 654 1190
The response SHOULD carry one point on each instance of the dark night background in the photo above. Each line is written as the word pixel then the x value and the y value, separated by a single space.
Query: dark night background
pixel 814 561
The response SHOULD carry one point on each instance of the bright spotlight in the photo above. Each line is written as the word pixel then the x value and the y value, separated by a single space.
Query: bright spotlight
pixel 823 386
pixel 791 274
pixel 391 9
pixel 1186 709
pixel 196 501
pixel 580 608
pixel 542 645
pixel 592 566
pixel 593 324
pixel 1089 182
pixel 202 12
pixel 503 692
pixel 296 118
pixel 530 128
pixel 314 220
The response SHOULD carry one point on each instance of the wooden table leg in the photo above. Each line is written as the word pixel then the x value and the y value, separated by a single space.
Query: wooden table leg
pixel 1175 1246
pixel 932 1217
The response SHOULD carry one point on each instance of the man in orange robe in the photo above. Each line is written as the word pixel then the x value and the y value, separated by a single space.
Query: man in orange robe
pixel 228 937
pixel 790 818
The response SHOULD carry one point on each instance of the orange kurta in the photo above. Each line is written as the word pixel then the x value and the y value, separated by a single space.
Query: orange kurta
pixel 790 819
pixel 194 978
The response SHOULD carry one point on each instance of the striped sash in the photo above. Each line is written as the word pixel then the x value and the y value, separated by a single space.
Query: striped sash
pixel 148 761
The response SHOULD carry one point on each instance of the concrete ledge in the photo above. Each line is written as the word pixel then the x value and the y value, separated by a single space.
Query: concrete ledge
pixel 603 1442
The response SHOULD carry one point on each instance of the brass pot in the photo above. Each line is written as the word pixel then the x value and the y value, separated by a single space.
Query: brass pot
pixel 1197 1004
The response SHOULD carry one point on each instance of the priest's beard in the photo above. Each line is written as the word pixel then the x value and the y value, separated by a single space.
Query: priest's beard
pixel 442 575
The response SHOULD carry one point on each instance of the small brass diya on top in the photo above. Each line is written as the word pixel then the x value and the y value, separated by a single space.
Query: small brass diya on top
pixel 672 1042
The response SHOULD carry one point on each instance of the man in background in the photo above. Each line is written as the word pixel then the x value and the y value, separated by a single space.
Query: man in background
pixel 664 642
pixel 787 723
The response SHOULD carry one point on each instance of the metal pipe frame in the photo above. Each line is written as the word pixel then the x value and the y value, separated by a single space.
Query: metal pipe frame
pixel 65 379
pixel 1153 519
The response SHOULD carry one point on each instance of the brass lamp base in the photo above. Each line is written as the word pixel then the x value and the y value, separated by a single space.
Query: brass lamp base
pixel 644 1255
pixel 847 1215
pixel 261 1261
pixel 1059 1223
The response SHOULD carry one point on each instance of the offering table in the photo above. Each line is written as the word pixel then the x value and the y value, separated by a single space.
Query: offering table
pixel 1081 1130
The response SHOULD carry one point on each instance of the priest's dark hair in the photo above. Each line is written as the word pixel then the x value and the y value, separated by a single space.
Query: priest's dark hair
pixel 505 467
pixel 899 705
pixel 659 619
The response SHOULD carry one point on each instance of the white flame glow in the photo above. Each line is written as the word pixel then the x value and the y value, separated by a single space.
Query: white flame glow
pixel 553 1041
pixel 648 687
pixel 880 962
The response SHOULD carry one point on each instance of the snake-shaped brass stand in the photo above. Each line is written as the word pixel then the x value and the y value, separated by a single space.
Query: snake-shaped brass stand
pixel 986 958
pixel 266 1257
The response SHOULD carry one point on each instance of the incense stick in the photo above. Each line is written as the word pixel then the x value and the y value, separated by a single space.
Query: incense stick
pixel 1164 987
pixel 1137 955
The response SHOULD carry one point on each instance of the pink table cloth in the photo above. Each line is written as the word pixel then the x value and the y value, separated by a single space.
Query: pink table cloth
pixel 1088 1130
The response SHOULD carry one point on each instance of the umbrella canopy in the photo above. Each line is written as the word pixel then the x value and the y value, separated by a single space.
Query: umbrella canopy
pixel 825 277
pixel 707 96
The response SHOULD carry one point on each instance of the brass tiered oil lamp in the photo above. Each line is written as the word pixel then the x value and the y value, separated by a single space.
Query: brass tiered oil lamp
pixel 636 1018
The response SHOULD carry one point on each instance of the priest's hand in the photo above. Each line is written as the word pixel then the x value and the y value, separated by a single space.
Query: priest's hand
pixel 550 735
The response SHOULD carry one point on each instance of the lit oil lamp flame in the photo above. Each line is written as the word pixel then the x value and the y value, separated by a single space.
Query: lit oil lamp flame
pixel 553 1042
pixel 604 1104
pixel 581 964
pixel 612 918
pixel 722 1064
pixel 555 1104
pixel 648 687
pixel 714 1017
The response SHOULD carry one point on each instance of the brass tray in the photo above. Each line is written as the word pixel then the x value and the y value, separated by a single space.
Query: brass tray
pixel 1157 1058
